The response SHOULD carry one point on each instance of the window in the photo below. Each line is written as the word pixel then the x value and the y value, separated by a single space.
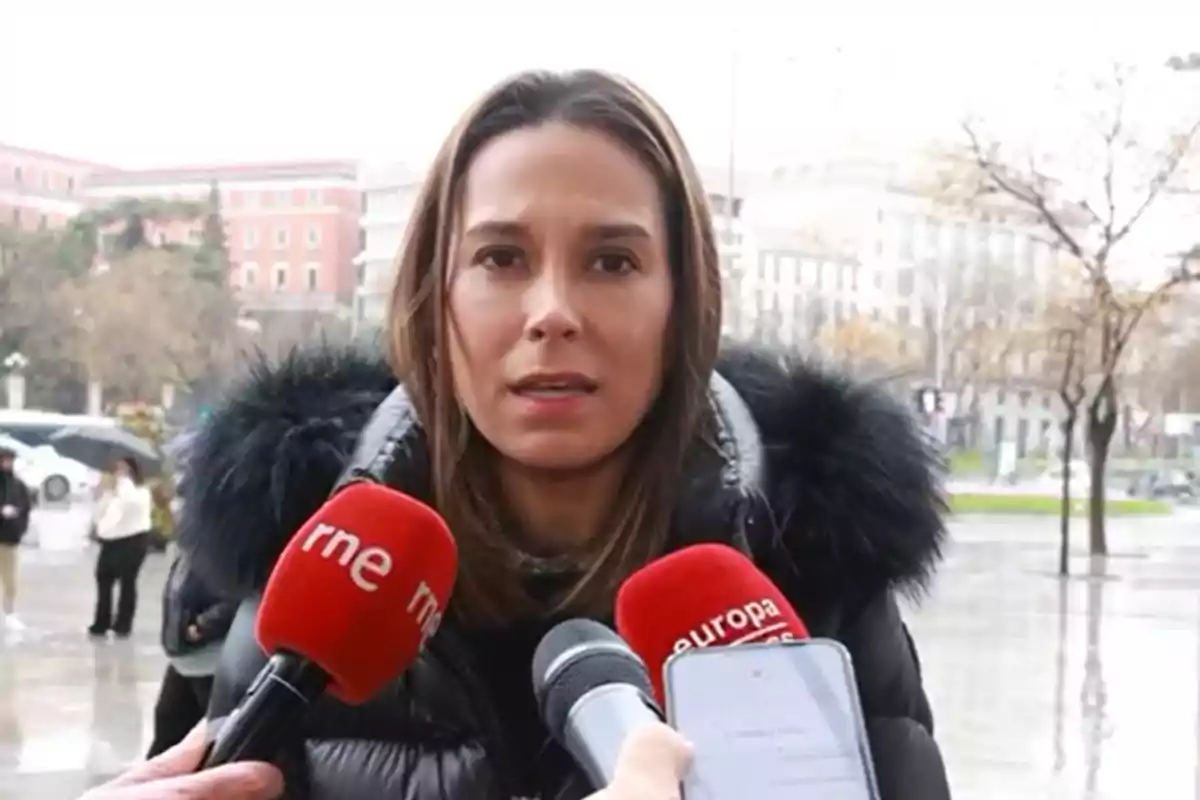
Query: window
pixel 284 198
pixel 46 181
pixel 312 276
pixel 18 176
pixel 16 216
pixel 906 235
pixel 249 274
pixel 281 237
pixel 314 236
pixel 250 238
pixel 314 197
pixel 281 276
pixel 70 184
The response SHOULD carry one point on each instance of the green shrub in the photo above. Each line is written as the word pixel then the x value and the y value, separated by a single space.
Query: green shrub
pixel 1048 505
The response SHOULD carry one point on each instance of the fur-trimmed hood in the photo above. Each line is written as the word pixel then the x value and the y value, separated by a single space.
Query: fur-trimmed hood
pixel 833 473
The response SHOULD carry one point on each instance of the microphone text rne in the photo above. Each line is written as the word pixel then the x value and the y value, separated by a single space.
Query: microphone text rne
pixel 365 565
pixel 425 611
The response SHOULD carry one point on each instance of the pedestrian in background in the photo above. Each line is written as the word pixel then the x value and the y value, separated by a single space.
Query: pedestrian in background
pixel 195 621
pixel 16 503
pixel 123 522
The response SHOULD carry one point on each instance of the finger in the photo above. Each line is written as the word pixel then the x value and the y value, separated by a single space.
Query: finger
pixel 654 759
pixel 244 781
pixel 179 760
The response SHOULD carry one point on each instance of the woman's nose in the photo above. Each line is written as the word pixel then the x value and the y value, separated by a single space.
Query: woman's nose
pixel 550 309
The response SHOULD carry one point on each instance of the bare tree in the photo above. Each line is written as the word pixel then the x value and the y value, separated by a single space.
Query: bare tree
pixel 984 330
pixel 1127 178
pixel 1069 360
pixel 867 344
pixel 132 324
pixel 280 331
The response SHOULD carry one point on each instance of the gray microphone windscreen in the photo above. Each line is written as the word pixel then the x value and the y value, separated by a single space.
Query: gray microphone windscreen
pixel 576 657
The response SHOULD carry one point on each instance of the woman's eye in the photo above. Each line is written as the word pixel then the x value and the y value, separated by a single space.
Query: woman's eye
pixel 613 264
pixel 499 258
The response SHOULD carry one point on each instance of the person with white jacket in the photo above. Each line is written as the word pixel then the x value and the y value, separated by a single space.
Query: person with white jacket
pixel 122 528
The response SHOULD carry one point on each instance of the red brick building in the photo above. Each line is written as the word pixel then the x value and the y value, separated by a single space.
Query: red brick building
pixel 40 189
pixel 292 228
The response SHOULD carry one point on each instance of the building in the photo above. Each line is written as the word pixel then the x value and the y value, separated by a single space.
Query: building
pixel 850 246
pixel 388 193
pixel 40 190
pixel 292 228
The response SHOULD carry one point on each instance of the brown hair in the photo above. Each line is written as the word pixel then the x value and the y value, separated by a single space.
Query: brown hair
pixel 490 586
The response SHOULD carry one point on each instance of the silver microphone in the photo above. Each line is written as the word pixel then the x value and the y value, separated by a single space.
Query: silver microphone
pixel 593 691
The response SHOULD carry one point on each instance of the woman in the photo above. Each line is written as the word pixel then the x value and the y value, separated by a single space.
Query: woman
pixel 122 527
pixel 194 625
pixel 555 327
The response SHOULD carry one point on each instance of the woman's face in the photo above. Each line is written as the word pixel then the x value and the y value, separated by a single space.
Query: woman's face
pixel 120 470
pixel 560 295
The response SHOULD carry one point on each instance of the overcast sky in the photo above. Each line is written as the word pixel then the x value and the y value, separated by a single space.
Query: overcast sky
pixel 134 83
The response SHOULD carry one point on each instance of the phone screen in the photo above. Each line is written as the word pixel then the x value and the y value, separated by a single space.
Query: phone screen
pixel 771 721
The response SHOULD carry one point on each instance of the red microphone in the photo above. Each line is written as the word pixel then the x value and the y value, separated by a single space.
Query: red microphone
pixel 346 609
pixel 706 595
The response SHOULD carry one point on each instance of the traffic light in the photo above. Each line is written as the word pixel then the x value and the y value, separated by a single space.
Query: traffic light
pixel 929 400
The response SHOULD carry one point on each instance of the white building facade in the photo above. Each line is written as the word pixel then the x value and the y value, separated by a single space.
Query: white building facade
pixel 389 192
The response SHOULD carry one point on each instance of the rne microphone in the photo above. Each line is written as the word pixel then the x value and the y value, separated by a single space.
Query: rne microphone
pixel 706 595
pixel 348 606
pixel 593 691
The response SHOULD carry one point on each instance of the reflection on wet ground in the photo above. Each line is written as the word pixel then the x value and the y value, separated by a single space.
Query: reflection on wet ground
pixel 1083 690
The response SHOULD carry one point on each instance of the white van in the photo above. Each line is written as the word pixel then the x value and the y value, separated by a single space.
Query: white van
pixel 36 427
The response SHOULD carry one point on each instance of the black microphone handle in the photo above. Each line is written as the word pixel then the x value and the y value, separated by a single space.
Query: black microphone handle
pixel 272 709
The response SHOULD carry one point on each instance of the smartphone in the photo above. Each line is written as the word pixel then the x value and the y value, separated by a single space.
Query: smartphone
pixel 770 721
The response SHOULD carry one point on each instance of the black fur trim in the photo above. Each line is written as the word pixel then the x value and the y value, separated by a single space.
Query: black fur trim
pixel 269 456
pixel 854 486
pixel 851 483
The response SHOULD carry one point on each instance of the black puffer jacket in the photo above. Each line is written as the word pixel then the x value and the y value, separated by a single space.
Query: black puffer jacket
pixel 187 602
pixel 16 494
pixel 827 483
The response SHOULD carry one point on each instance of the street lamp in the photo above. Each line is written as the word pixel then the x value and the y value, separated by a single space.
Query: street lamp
pixel 14 365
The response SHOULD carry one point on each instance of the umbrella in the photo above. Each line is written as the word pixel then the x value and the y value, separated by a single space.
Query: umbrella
pixel 99 447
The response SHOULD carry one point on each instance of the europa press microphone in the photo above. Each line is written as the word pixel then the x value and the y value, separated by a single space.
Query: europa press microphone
pixel 349 604
pixel 593 691
pixel 798 697
pixel 706 595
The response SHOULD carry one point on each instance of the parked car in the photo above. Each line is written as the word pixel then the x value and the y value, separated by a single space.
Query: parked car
pixel 1168 484
pixel 1081 478
pixel 54 477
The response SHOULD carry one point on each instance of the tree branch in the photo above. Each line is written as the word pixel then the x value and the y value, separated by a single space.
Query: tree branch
pixel 1029 196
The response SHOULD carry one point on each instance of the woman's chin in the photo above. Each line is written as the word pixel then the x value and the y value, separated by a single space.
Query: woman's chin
pixel 554 451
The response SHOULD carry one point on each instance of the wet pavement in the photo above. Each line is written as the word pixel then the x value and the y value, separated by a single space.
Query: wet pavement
pixel 1083 690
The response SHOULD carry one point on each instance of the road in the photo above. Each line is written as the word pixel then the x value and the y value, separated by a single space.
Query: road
pixel 1076 690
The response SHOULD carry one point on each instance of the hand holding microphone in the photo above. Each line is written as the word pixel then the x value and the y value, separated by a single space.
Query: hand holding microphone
pixel 594 695
pixel 651 765
pixel 347 608
pixel 171 775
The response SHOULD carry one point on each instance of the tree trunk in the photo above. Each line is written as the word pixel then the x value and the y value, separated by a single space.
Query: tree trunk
pixel 1101 425
pixel 1064 515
